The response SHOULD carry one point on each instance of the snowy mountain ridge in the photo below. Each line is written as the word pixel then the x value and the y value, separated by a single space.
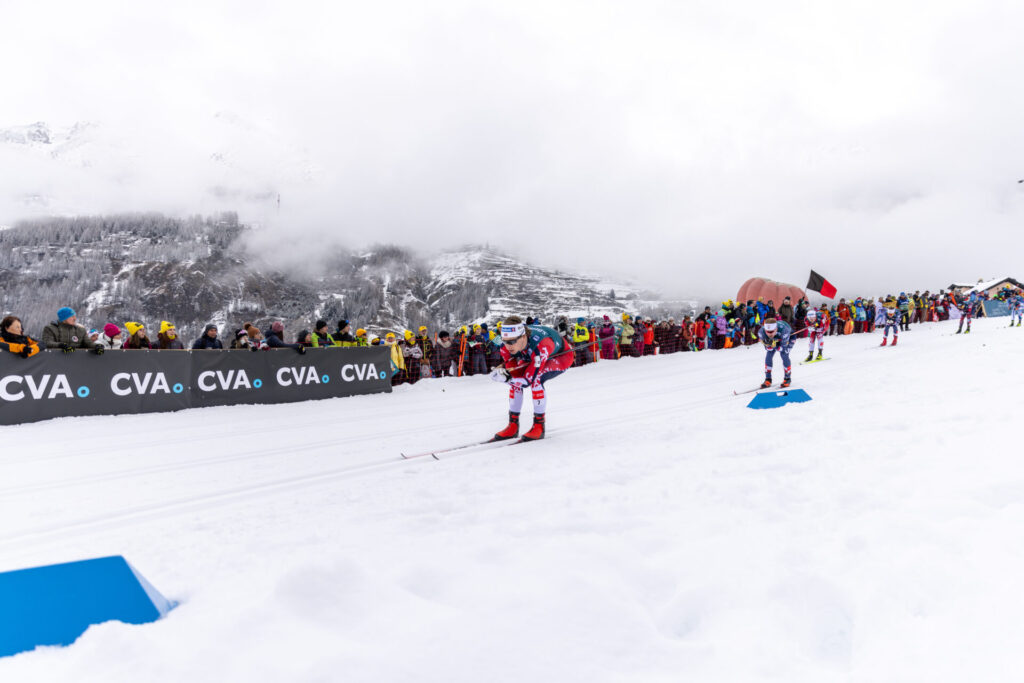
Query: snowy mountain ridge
pixel 150 267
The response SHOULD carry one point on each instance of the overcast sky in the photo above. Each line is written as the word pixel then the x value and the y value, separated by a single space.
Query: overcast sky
pixel 688 144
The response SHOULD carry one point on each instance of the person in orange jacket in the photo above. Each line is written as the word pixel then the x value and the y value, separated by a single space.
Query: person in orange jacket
pixel 14 341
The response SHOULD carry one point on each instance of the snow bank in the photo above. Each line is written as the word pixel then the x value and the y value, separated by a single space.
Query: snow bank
pixel 662 532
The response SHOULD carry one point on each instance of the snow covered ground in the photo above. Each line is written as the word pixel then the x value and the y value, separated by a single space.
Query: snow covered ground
pixel 663 531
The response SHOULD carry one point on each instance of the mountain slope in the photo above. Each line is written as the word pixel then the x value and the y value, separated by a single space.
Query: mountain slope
pixel 149 267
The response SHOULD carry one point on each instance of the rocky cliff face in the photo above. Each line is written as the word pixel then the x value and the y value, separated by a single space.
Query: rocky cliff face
pixel 148 268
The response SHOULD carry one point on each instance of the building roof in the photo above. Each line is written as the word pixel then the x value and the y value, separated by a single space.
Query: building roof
pixel 985 286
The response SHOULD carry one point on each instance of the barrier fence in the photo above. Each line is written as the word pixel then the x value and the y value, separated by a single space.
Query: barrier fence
pixel 53 384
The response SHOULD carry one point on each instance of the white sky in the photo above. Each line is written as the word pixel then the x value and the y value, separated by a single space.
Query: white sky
pixel 688 144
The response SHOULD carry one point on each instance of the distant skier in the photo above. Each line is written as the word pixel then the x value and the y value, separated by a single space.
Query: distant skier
pixel 532 355
pixel 1016 308
pixel 775 335
pixel 816 326
pixel 893 320
pixel 968 309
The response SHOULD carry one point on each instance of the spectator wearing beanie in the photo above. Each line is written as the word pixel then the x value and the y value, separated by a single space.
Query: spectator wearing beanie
pixel 397 358
pixel 321 338
pixel 426 350
pixel 241 341
pixel 66 334
pixel 445 354
pixel 343 336
pixel 137 337
pixel 111 338
pixel 255 336
pixel 208 340
pixel 275 338
pixel 606 333
pixel 167 339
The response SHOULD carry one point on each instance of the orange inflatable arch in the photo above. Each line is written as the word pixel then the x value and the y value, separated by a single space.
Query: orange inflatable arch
pixel 769 289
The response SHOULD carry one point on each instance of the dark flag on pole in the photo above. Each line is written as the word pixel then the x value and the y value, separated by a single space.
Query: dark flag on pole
pixel 817 283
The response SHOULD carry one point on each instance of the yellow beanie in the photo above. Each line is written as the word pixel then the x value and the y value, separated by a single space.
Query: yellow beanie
pixel 133 327
pixel 360 332
pixel 164 326
pixel 408 334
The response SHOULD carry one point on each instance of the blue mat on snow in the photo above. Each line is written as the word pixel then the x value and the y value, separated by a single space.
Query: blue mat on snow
pixel 777 399
pixel 53 605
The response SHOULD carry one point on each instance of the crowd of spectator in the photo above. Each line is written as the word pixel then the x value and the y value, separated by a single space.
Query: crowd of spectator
pixel 474 349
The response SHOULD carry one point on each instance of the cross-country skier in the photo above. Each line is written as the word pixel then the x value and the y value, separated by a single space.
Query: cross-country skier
pixel 815 326
pixel 775 335
pixel 532 355
pixel 1016 308
pixel 967 312
pixel 893 320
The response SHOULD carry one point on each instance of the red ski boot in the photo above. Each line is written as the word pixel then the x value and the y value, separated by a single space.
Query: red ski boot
pixel 510 432
pixel 767 382
pixel 884 341
pixel 785 383
pixel 537 430
pixel 894 340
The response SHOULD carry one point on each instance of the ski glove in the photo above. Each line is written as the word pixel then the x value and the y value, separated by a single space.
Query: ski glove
pixel 25 352
pixel 300 349
pixel 67 348
pixel 500 374
pixel 98 350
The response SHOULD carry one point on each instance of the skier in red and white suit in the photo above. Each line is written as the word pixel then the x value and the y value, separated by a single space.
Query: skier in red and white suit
pixel 816 325
pixel 532 355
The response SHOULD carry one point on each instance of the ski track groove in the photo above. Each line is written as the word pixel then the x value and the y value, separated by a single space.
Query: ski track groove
pixel 240 494
pixel 236 494
pixel 259 454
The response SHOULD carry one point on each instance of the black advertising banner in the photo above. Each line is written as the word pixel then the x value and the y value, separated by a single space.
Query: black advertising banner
pixel 229 377
pixel 54 384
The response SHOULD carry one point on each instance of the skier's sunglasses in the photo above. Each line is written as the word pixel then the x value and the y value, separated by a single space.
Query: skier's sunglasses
pixel 512 342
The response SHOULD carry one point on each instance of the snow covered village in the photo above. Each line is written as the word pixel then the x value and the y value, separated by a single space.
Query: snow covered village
pixel 511 343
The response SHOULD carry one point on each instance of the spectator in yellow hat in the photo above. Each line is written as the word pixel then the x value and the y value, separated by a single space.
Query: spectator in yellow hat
pixel 137 337
pixel 167 339
pixel 397 359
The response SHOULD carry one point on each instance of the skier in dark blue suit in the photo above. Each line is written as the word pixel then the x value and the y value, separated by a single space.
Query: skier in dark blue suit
pixel 775 335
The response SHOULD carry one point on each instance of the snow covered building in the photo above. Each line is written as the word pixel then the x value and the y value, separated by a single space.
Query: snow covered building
pixel 990 286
